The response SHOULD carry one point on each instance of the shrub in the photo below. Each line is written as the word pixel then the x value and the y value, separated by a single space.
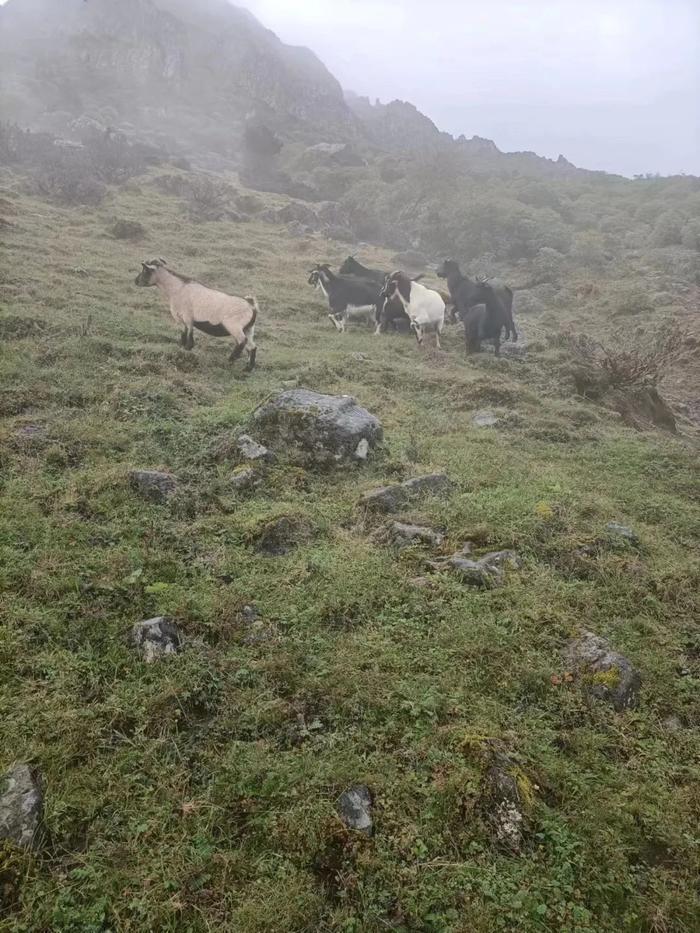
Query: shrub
pixel 128 230
pixel 621 367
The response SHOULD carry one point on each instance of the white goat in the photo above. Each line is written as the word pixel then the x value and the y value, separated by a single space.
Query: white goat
pixel 213 312
pixel 424 306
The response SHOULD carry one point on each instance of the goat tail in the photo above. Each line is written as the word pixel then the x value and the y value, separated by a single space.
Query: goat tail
pixel 253 302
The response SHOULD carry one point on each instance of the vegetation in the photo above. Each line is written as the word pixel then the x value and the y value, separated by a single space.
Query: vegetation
pixel 200 793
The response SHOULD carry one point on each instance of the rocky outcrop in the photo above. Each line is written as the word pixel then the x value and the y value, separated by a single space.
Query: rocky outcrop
pixel 355 809
pixel 604 673
pixel 21 806
pixel 153 484
pixel 321 429
pixel 156 638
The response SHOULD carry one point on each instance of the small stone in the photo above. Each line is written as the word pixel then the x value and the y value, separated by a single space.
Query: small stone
pixel 156 638
pixel 504 803
pixel 616 530
pixel 244 479
pixel 487 571
pixel 604 673
pixel 282 535
pixel 394 498
pixel 355 809
pixel 359 357
pixel 21 806
pixel 153 485
pixel 672 724
pixel 250 449
pixel 405 535
pixel 485 419
pixel 421 583
pixel 499 560
pixel 249 614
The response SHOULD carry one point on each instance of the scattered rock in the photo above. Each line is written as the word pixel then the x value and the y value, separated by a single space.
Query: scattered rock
pixel 325 429
pixel 516 351
pixel 485 419
pixel 616 530
pixel 21 806
pixel 504 804
pixel 421 583
pixel 488 571
pixel 359 357
pixel 250 449
pixel 394 498
pixel 243 480
pixel 156 638
pixel 282 535
pixel 405 535
pixel 604 673
pixel 153 485
pixel 355 809
pixel 672 724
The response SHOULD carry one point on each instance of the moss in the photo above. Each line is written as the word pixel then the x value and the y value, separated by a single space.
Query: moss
pixel 610 678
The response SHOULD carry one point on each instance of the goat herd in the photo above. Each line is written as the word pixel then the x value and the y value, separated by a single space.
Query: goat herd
pixel 394 299
pixel 354 293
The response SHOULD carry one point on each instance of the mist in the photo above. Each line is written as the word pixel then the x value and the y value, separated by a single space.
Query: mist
pixel 610 85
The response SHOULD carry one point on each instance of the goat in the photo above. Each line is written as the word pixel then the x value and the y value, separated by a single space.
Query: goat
pixel 465 294
pixel 424 306
pixel 213 312
pixel 485 319
pixel 352 267
pixel 349 297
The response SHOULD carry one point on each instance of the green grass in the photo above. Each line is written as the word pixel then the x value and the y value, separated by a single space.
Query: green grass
pixel 183 796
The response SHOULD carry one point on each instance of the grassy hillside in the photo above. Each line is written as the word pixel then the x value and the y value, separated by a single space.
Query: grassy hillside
pixel 199 793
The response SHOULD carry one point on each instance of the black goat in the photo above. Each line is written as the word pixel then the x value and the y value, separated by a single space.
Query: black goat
pixel 485 319
pixel 467 293
pixel 352 267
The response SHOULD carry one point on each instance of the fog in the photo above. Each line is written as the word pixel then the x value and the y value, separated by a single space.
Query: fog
pixel 611 84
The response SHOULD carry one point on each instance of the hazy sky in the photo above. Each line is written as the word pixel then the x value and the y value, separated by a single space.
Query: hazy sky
pixel 611 84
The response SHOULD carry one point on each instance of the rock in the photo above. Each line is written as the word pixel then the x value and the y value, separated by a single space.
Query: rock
pixel 672 724
pixel 406 535
pixel 281 535
pixel 355 809
pixel 421 583
pixel 249 449
pixel 325 429
pixel 616 530
pixel 394 498
pixel 488 571
pixel 243 480
pixel 485 419
pixel 156 638
pixel 153 485
pixel 604 673
pixel 21 806
pixel 504 804
pixel 362 449
pixel 517 351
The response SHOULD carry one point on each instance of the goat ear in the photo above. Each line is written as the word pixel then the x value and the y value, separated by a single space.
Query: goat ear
pixel 162 262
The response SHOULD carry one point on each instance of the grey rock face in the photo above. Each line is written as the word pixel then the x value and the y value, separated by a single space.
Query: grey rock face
pixel 406 535
pixel 153 485
pixel 250 449
pixel 21 806
pixel 325 429
pixel 605 674
pixel 355 809
pixel 394 498
pixel 156 638
pixel 505 810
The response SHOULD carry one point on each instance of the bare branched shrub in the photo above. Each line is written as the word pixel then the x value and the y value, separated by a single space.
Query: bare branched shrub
pixel 622 366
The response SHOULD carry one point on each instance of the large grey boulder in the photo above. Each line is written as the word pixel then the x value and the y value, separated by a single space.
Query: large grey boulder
pixel 323 429
pixel 355 809
pixel 604 673
pixel 21 806
pixel 156 638
pixel 153 485
pixel 395 498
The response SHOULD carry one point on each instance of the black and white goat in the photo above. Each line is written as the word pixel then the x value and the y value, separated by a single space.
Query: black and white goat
pixel 349 297
pixel 424 306
pixel 213 312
